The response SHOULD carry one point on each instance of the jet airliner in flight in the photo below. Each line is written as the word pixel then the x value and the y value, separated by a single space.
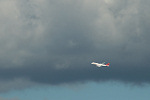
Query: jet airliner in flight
pixel 101 64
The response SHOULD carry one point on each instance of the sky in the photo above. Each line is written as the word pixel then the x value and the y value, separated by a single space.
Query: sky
pixel 47 46
pixel 88 91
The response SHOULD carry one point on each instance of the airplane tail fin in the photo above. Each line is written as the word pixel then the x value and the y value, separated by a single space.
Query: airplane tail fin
pixel 107 64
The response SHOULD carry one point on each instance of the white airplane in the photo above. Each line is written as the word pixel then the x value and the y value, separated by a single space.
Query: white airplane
pixel 101 64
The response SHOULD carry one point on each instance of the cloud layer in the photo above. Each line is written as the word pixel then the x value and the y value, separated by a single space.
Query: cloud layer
pixel 54 42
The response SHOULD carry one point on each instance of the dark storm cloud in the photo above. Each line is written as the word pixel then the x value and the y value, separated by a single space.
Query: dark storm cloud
pixel 54 42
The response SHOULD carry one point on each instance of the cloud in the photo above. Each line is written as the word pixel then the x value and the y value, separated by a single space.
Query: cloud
pixel 54 42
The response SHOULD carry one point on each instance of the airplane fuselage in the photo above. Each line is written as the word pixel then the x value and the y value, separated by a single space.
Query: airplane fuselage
pixel 100 64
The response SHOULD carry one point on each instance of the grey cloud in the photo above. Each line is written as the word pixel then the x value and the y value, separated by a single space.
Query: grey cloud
pixel 54 42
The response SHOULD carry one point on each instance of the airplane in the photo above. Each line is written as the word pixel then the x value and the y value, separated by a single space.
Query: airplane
pixel 101 64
